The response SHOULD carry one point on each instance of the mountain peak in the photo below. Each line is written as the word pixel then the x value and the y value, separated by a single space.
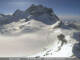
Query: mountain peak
pixel 17 11
pixel 42 13
pixel 36 12
pixel 39 9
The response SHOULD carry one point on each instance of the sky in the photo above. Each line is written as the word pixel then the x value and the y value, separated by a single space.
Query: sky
pixel 60 7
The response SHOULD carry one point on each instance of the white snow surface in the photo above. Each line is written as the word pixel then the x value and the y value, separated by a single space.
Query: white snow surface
pixel 34 33
pixel 37 42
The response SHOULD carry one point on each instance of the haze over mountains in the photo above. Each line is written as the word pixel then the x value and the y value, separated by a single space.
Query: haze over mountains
pixel 37 31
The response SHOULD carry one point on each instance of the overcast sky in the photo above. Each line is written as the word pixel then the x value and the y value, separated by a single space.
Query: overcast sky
pixel 61 7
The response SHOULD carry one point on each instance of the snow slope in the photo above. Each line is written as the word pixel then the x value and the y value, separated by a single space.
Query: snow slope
pixel 36 32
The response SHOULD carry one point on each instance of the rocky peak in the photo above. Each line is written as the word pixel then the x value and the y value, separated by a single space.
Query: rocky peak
pixel 17 12
pixel 36 12
pixel 39 10
pixel 42 13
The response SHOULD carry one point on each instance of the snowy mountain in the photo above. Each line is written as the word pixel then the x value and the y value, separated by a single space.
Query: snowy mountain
pixel 37 32
pixel 39 12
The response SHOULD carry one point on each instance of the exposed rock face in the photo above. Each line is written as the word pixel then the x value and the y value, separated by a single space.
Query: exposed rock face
pixel 5 19
pixel 41 13
pixel 37 12
pixel 35 15
pixel 18 14
pixel 76 50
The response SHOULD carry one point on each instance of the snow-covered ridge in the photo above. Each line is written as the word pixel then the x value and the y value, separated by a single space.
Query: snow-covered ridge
pixel 38 32
pixel 19 21
pixel 38 12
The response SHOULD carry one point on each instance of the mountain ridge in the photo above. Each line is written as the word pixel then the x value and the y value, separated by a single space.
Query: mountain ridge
pixel 35 11
pixel 36 30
